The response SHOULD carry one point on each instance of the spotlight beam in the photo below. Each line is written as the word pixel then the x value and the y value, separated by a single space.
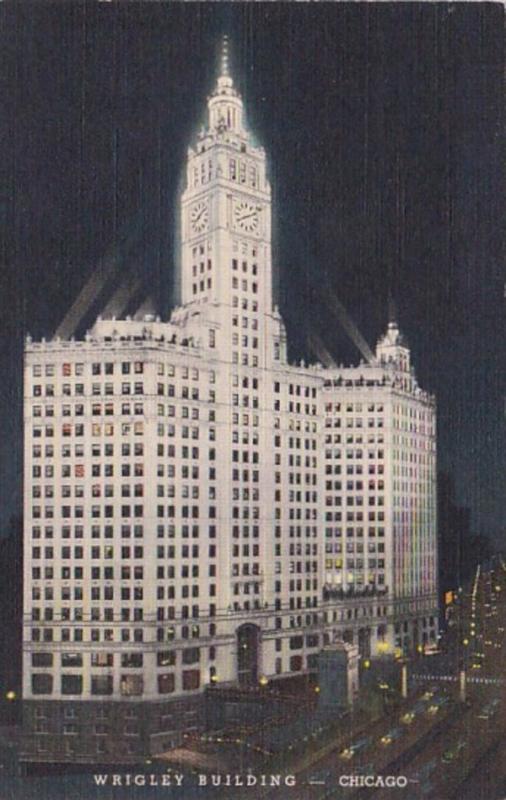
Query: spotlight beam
pixel 84 301
pixel 337 308
pixel 118 303
pixel 315 343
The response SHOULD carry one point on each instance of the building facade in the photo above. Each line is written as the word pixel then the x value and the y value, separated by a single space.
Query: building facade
pixel 379 514
pixel 199 511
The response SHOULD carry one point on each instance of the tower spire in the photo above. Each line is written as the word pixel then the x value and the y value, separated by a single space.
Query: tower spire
pixel 225 104
pixel 392 310
pixel 224 65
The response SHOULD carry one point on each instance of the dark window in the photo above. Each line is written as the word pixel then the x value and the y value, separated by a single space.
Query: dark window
pixel 166 683
pixel 71 684
pixel 101 684
pixel 131 660
pixel 42 659
pixel 191 655
pixel 295 663
pixel 71 660
pixel 191 679
pixel 312 661
pixel 42 683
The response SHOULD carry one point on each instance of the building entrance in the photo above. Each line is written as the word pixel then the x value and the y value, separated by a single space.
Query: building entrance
pixel 248 653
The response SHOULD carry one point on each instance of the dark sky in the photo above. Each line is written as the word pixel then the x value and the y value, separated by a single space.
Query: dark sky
pixel 384 128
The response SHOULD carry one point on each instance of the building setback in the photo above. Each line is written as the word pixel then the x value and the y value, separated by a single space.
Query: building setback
pixel 199 511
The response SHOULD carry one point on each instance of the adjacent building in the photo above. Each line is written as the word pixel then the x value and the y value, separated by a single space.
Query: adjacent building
pixel 200 511
pixel 379 501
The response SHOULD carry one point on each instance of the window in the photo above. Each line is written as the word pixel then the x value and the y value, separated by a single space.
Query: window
pixel 295 663
pixel 166 658
pixel 191 679
pixel 131 660
pixel 102 659
pixel 131 685
pixel 42 659
pixel 71 684
pixel 101 684
pixel 191 655
pixel 166 683
pixel 71 660
pixel 70 729
pixel 42 683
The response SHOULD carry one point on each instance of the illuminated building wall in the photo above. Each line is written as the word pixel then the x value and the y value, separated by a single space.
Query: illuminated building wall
pixel 186 514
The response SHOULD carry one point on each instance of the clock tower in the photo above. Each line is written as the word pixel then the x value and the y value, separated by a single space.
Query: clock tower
pixel 226 210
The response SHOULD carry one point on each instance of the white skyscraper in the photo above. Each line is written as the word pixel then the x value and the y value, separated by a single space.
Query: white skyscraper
pixel 380 499
pixel 199 511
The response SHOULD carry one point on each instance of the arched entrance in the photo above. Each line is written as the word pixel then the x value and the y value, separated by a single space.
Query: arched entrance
pixel 364 641
pixel 248 654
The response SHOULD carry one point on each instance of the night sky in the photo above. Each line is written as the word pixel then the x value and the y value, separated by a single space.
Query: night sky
pixel 384 128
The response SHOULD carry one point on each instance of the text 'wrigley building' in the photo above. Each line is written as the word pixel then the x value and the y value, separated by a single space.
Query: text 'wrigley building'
pixel 197 509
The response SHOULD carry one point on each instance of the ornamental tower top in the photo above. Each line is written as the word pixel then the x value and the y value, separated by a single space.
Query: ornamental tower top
pixel 225 104
pixel 226 209
pixel 393 349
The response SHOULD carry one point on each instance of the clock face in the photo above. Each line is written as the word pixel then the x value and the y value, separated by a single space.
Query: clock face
pixel 199 217
pixel 247 216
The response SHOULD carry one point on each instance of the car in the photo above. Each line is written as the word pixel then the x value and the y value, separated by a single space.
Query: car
pixel 349 752
pixel 391 736
pixel 438 703
pixel 490 710
pixel 452 752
